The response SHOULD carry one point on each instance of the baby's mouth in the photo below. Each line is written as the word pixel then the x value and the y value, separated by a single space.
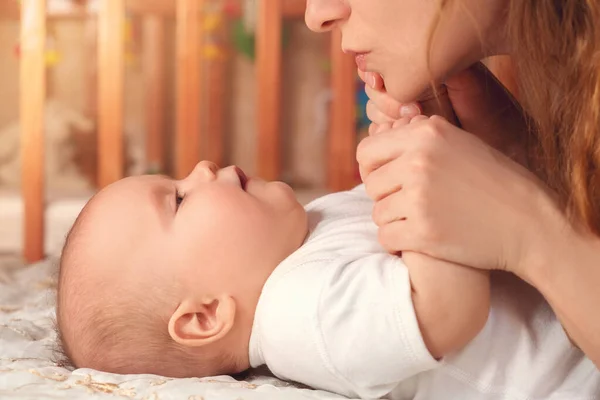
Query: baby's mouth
pixel 242 176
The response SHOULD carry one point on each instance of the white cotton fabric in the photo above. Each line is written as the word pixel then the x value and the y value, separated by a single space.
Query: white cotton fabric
pixel 337 315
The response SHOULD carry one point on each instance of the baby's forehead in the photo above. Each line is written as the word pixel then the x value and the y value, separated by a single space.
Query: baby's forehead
pixel 131 193
pixel 125 215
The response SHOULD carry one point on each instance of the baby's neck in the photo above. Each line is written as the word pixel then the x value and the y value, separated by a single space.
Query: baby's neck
pixel 247 291
pixel 246 313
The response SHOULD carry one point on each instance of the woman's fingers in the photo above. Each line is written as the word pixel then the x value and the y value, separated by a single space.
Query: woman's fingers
pixel 380 149
pixel 390 209
pixel 386 180
pixel 396 235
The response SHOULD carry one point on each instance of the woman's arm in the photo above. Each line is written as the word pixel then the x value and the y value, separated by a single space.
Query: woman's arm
pixel 566 270
pixel 442 192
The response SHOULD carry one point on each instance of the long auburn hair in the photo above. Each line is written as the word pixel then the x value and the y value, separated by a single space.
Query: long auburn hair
pixel 556 53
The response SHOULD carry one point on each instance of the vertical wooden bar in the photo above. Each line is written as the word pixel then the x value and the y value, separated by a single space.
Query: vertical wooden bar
pixel 155 86
pixel 33 86
pixel 342 138
pixel 216 69
pixel 90 168
pixel 188 69
pixel 91 73
pixel 111 20
pixel 269 66
pixel 216 111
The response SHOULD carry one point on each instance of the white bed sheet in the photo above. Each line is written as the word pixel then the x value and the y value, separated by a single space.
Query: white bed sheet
pixel 28 372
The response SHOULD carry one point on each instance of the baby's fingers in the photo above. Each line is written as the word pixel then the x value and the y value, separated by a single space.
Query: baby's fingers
pixel 389 107
pixel 376 116
pixel 373 80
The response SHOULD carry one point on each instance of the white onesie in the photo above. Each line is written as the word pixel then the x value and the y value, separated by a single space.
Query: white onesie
pixel 337 315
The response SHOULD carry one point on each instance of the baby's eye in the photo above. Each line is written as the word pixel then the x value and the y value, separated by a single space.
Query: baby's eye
pixel 178 199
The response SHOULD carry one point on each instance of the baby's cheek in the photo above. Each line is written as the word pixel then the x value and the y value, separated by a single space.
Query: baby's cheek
pixel 282 196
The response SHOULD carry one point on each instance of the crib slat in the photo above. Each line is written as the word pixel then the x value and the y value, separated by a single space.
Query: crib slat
pixel 268 56
pixel 342 137
pixel 216 83
pixel 111 19
pixel 154 76
pixel 91 70
pixel 33 93
pixel 189 42
pixel 9 10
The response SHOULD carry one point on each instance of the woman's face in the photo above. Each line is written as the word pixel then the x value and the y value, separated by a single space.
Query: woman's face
pixel 391 37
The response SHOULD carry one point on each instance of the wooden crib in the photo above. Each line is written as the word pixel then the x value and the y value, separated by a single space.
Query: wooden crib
pixel 188 136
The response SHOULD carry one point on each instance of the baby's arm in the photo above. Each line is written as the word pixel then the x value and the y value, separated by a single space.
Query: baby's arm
pixel 451 302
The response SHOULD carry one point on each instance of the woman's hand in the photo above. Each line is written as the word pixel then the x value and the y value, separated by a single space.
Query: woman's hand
pixel 443 192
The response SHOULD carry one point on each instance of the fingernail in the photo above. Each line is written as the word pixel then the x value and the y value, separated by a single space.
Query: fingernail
pixel 372 81
pixel 410 110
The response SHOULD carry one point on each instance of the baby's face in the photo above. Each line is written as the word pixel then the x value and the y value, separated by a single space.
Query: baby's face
pixel 204 231
pixel 153 256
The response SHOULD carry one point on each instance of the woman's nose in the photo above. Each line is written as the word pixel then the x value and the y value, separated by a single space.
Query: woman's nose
pixel 324 15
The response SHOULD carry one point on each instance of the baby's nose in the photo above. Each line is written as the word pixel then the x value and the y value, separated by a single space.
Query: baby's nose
pixel 204 171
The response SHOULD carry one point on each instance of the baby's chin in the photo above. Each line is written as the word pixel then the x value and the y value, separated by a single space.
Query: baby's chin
pixel 278 194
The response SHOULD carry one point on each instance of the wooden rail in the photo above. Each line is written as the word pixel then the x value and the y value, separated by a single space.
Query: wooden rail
pixel 154 65
pixel 188 70
pixel 111 47
pixel 269 64
pixel 33 96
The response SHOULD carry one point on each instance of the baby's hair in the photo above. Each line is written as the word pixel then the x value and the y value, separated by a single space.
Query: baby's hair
pixel 59 355
pixel 60 352
pixel 113 333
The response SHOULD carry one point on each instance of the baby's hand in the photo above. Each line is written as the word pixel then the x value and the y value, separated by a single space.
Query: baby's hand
pixel 384 111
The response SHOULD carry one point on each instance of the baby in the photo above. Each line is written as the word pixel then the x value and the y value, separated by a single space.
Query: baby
pixel 219 273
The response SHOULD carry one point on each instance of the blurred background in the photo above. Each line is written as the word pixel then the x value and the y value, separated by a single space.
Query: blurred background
pixel 95 90
pixel 227 109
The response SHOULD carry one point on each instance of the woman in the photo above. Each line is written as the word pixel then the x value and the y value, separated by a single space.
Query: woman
pixel 460 199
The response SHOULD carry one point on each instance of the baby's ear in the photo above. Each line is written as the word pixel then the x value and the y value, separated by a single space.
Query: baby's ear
pixel 198 322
